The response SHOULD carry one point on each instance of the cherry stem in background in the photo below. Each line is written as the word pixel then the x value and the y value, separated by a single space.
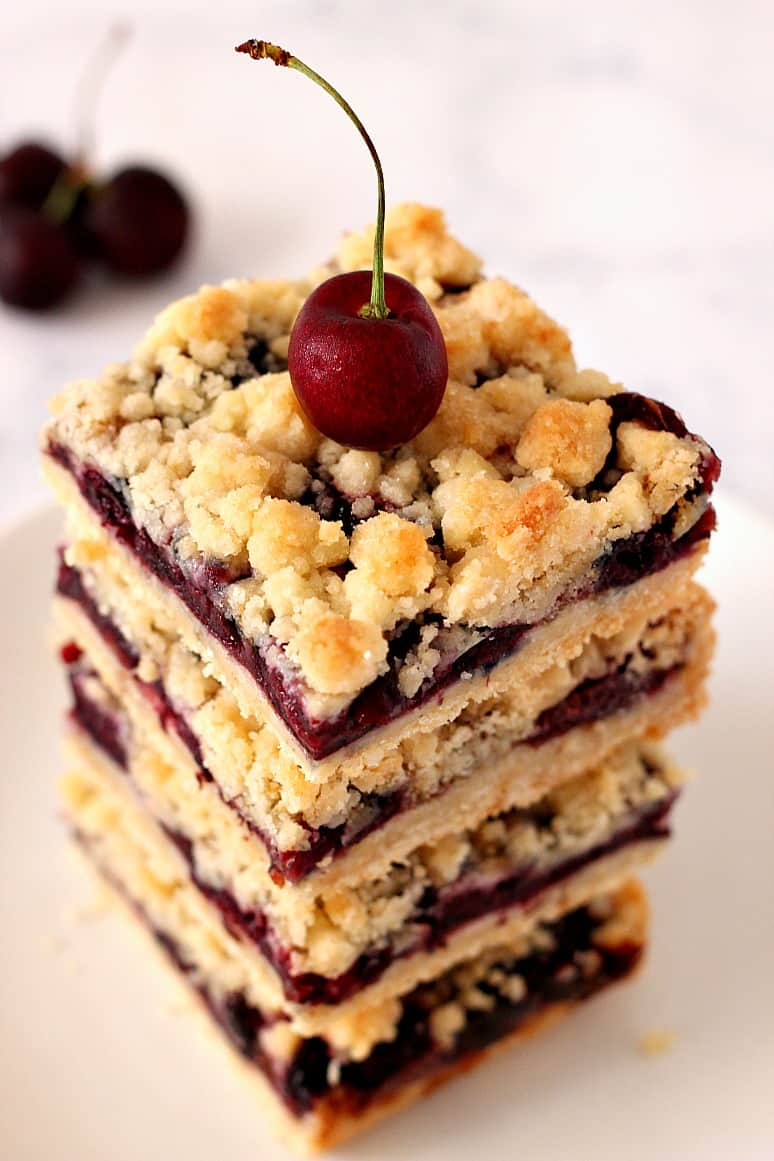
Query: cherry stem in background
pixel 66 190
pixel 90 86
pixel 262 50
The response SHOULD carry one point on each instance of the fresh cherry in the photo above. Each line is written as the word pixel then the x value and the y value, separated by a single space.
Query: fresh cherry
pixel 138 221
pixel 38 262
pixel 367 359
pixel 367 382
pixel 27 174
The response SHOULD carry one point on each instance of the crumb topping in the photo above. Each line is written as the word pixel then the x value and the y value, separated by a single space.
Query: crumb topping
pixel 492 977
pixel 285 800
pixel 486 518
pixel 571 440
pixel 326 931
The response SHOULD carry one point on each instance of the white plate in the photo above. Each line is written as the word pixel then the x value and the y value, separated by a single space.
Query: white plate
pixel 100 1060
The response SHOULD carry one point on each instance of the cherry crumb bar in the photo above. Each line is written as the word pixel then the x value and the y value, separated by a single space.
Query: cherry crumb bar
pixel 340 592
pixel 369 739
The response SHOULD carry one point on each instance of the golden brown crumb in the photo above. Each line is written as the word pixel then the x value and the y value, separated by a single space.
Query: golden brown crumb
pixel 487 519
pixel 337 654
pixel 571 439
pixel 393 554
pixel 657 1041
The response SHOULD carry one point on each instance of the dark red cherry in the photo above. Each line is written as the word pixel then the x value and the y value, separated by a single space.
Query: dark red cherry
pixel 38 262
pixel 367 382
pixel 138 221
pixel 367 359
pixel 27 174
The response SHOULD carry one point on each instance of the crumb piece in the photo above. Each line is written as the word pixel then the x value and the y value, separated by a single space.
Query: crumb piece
pixel 417 246
pixel 393 554
pixel 356 472
pixel 280 1041
pixel 213 314
pixel 666 464
pixel 445 1023
pixel 444 858
pixel 514 988
pixel 573 439
pixel 339 655
pixel 657 1041
pixel 355 1036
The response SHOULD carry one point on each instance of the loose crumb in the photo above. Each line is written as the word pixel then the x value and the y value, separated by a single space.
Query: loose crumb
pixel 657 1041
pixel 89 910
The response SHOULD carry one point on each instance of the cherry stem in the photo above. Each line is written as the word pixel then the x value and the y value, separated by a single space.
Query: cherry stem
pixel 64 193
pixel 90 86
pixel 262 50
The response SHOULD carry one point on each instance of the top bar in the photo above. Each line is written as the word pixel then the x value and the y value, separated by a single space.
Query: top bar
pixel 352 586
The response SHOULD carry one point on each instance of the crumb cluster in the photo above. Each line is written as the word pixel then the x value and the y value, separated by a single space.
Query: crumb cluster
pixel 486 517
pixel 268 787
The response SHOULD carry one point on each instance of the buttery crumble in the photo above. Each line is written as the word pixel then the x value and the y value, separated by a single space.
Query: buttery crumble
pixel 327 930
pixel 486 517
pixel 268 787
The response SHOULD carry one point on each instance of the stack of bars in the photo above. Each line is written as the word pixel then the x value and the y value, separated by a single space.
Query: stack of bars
pixel 369 742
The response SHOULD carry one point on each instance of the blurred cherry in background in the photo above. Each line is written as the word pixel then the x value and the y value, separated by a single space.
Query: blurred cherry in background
pixel 59 215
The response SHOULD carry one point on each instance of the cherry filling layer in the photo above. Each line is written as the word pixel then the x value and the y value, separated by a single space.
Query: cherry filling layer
pixel 592 700
pixel 572 967
pixel 439 912
pixel 294 865
pixel 573 970
pixel 200 589
pixel 103 726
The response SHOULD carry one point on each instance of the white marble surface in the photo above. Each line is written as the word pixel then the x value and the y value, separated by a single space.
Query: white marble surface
pixel 616 158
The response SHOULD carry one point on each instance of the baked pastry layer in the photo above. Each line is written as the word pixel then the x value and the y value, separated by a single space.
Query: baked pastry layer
pixel 146 612
pixel 366 739
pixel 441 657
pixel 634 658
pixel 321 1089
pixel 351 587
pixel 327 941
pixel 109 813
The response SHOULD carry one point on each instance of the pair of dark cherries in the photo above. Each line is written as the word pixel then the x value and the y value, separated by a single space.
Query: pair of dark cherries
pixel 55 219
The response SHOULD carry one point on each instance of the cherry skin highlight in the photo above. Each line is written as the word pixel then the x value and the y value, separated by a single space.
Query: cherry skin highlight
pixel 368 383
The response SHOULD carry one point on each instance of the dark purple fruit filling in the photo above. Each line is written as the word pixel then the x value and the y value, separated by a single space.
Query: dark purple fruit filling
pixel 292 865
pixel 69 583
pixel 438 913
pixel 382 702
pixel 629 407
pixel 591 701
pixel 598 698
pixel 571 969
pixel 102 726
pixel 170 719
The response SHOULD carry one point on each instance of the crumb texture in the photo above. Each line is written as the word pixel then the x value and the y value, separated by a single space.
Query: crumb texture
pixel 502 504
pixel 264 784
pixel 325 928
pixel 134 854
